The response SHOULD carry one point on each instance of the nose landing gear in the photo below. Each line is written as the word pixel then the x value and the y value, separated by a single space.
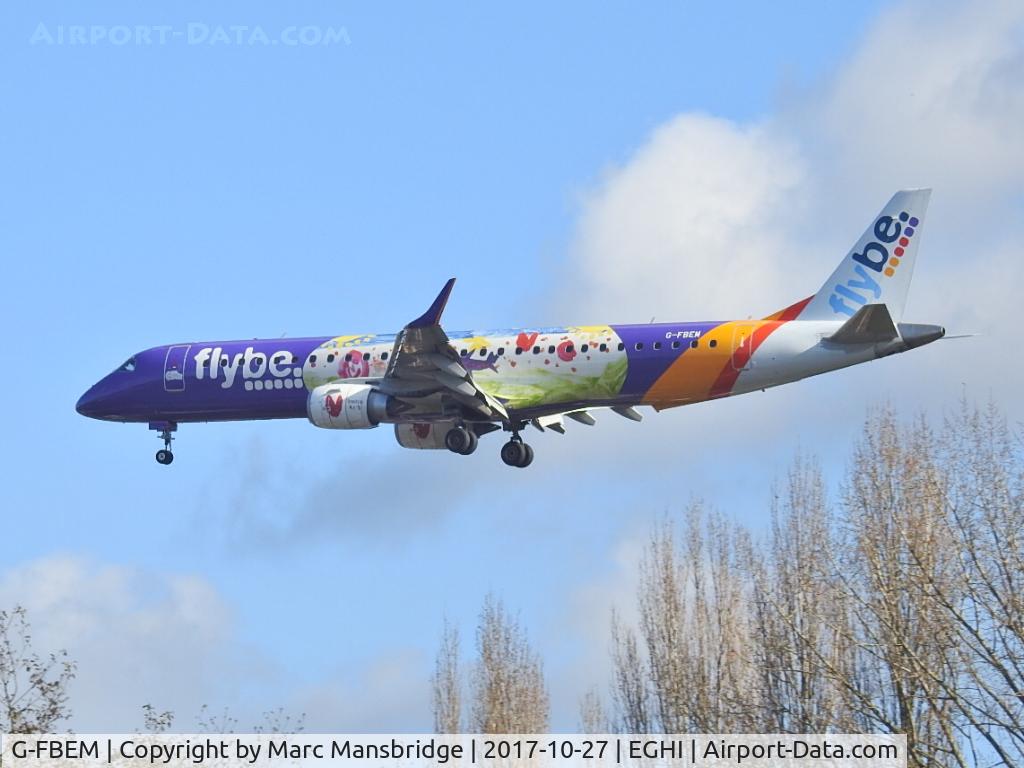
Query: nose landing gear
pixel 166 428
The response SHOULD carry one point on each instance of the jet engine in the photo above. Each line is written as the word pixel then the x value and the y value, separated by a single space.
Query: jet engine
pixel 349 406
pixel 424 436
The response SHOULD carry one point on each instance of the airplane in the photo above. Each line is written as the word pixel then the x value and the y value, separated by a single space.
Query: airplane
pixel 447 390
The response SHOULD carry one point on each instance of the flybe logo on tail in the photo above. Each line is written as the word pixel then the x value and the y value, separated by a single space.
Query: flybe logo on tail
pixel 850 296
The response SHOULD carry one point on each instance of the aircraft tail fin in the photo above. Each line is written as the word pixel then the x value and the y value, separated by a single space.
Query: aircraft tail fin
pixel 877 270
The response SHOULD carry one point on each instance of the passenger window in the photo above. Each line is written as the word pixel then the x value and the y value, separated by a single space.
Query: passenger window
pixel 693 344
pixel 712 343
pixel 536 350
pixel 330 358
pixel 462 352
pixel 675 345
pixel 348 358
pixel 568 348
pixel 501 351
pixel 657 345
pixel 366 355
pixel 551 350
pixel 519 350
pixel 483 352
pixel 584 348
pixel 383 355
pixel 621 346
pixel 603 347
pixel 312 358
pixel 639 346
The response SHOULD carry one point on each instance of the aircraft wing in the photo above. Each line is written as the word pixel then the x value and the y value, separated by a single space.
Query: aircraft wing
pixel 424 363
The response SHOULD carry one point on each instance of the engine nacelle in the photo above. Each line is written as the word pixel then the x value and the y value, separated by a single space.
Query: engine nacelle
pixel 426 436
pixel 347 406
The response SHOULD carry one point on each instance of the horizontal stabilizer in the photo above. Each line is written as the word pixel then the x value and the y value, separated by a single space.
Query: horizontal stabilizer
pixel 870 325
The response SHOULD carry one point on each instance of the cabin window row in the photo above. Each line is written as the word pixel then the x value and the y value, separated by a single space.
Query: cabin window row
pixel 349 357
pixel 584 348
pixel 639 346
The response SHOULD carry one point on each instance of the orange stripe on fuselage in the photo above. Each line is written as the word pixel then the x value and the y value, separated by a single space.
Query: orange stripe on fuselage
pixel 708 372
pixel 691 376
pixel 740 357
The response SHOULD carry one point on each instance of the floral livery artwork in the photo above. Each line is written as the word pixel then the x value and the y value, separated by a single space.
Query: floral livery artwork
pixel 550 366
pixel 523 369
pixel 347 357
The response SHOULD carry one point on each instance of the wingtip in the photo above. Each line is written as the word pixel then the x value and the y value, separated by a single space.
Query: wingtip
pixel 433 315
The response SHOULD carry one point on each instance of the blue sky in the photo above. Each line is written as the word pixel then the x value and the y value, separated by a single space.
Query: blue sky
pixel 159 193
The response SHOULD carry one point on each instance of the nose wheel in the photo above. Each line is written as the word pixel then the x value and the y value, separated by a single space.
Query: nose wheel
pixel 166 428
pixel 516 453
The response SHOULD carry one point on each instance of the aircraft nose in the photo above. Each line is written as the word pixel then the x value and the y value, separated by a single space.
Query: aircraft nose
pixel 87 403
pixel 98 402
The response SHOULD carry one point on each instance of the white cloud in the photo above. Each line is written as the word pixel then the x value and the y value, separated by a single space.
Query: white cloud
pixel 137 637
pixel 694 225
pixel 140 637
pixel 933 96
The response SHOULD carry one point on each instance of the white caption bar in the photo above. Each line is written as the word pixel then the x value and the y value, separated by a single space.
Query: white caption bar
pixel 459 751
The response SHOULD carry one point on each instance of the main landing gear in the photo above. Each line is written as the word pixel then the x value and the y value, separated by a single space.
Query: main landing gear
pixel 166 428
pixel 461 440
pixel 464 440
pixel 516 453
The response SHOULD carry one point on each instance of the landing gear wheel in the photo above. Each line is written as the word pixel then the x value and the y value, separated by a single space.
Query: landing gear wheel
pixel 528 456
pixel 166 428
pixel 460 440
pixel 516 453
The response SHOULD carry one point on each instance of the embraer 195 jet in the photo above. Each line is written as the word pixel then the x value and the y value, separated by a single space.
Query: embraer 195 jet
pixel 446 390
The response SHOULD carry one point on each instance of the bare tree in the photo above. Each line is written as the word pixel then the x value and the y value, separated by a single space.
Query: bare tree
pixel 447 684
pixel 33 689
pixel 509 693
pixel 983 469
pixel 896 552
pixel 901 612
pixel 593 718
pixel 630 691
pixel 155 721
pixel 696 673
pixel 799 618
pixel 507 689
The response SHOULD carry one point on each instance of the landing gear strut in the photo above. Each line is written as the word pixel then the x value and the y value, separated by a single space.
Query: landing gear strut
pixel 515 452
pixel 461 440
pixel 166 428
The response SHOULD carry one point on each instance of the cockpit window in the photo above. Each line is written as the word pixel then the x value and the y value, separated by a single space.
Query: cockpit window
pixel 129 365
